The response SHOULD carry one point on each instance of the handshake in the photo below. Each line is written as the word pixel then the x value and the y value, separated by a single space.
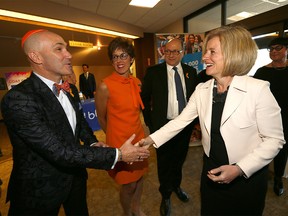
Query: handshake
pixel 132 153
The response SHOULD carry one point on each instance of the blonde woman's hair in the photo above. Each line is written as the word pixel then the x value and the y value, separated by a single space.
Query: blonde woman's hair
pixel 238 48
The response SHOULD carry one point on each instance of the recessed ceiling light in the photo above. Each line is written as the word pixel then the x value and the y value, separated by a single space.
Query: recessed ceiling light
pixel 240 16
pixel 144 3
pixel 267 1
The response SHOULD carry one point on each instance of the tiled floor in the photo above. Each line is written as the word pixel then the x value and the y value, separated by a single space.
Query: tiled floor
pixel 103 192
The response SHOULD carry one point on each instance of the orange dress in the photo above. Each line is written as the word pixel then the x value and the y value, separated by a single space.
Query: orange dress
pixel 123 120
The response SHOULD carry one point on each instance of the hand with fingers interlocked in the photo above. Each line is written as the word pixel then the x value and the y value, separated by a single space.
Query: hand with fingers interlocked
pixel 225 173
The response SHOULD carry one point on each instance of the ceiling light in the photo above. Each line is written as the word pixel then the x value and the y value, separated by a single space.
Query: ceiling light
pixel 265 35
pixel 267 1
pixel 240 16
pixel 144 3
pixel 73 26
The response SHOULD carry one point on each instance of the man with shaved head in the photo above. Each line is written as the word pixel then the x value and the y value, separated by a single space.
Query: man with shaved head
pixel 45 123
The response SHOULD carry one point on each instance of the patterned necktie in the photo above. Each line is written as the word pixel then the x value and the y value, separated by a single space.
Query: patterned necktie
pixel 56 87
pixel 179 90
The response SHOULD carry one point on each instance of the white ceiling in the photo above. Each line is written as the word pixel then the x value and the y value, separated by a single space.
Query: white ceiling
pixel 150 20
pixel 165 12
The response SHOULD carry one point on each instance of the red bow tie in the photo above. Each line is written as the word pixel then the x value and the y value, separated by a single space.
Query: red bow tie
pixel 65 86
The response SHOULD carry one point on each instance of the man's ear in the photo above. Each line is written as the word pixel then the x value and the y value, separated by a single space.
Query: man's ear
pixel 35 57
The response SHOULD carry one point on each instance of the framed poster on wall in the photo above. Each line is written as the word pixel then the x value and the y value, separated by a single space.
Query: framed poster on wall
pixel 14 78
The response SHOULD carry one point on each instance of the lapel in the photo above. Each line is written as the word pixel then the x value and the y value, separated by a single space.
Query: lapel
pixel 45 92
pixel 49 100
pixel 163 78
pixel 187 78
pixel 78 110
pixel 75 104
pixel 206 94
pixel 237 91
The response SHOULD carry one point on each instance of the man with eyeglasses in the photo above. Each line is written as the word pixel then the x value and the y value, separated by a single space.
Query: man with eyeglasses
pixel 163 102
pixel 276 72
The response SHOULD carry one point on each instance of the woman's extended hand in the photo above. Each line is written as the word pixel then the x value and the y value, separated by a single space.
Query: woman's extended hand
pixel 145 142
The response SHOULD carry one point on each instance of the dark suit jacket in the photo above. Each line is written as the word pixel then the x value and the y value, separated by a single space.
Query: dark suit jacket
pixel 87 86
pixel 155 93
pixel 75 93
pixel 46 153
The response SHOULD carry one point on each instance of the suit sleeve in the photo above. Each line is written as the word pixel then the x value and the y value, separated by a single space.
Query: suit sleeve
pixel 86 133
pixel 33 132
pixel 81 83
pixel 146 93
pixel 94 82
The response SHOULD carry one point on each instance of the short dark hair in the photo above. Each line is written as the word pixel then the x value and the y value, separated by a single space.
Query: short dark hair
pixel 121 43
pixel 85 65
pixel 280 41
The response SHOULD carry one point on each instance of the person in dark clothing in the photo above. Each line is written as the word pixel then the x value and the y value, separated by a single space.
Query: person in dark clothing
pixel 87 82
pixel 159 95
pixel 203 77
pixel 276 72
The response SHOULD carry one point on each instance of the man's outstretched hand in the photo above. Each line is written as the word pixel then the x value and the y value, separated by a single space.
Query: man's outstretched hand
pixel 133 153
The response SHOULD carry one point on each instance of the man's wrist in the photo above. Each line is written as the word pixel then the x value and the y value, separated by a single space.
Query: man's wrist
pixel 93 144
pixel 119 154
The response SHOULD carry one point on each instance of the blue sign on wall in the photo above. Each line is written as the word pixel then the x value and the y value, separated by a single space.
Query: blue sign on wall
pixel 90 114
pixel 194 60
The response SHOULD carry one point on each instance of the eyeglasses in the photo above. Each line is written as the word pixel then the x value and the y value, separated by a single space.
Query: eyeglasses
pixel 173 52
pixel 277 48
pixel 122 56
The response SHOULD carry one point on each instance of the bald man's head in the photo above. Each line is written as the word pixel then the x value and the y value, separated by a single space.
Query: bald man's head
pixel 31 39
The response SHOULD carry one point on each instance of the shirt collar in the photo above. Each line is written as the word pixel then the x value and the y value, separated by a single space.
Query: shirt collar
pixel 170 67
pixel 48 82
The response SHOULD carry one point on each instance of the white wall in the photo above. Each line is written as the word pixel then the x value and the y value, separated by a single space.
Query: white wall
pixel 176 27
pixel 262 59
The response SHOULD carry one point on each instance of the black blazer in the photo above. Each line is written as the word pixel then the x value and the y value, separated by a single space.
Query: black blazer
pixel 87 86
pixel 154 93
pixel 46 153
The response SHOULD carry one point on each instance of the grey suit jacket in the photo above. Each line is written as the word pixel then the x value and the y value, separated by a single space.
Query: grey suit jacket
pixel 46 153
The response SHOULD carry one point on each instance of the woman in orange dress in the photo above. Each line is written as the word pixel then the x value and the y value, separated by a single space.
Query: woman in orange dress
pixel 118 106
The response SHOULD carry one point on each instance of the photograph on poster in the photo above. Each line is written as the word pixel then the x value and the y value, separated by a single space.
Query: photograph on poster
pixel 192 48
